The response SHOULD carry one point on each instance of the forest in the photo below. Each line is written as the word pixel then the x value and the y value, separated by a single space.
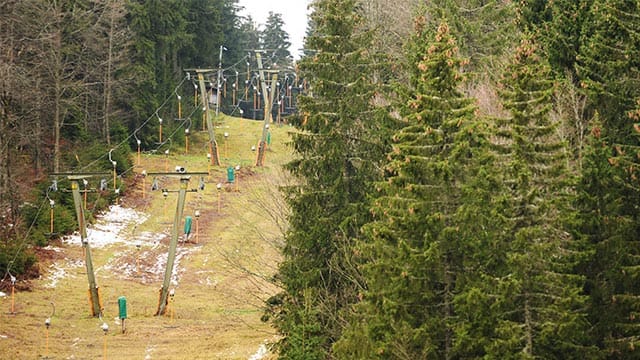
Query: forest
pixel 463 171
pixel 81 77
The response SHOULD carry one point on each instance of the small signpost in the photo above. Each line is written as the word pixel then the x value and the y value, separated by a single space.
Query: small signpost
pixel 122 310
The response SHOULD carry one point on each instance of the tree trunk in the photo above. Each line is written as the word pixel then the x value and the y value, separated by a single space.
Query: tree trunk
pixel 528 326
pixel 448 295
pixel 107 82
pixel 57 121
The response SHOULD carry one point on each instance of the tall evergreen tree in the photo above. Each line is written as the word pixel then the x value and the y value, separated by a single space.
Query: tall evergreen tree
pixel 533 14
pixel 160 34
pixel 250 35
pixel 204 23
pixel 415 249
pixel 337 153
pixel 608 190
pixel 611 228
pixel 275 41
pixel 540 311
pixel 608 65
pixel 483 29
pixel 560 36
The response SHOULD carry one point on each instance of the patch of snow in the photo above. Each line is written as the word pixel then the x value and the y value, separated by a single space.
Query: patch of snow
pixel 206 280
pixel 261 353
pixel 56 275
pixel 108 230
pixel 151 267
pixel 60 272
pixel 160 265
pixel 52 248
pixel 150 238
pixel 147 354
pixel 76 341
pixel 2 294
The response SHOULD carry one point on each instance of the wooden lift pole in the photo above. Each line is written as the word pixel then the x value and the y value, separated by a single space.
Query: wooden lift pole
pixel 213 145
pixel 268 103
pixel 77 201
pixel 173 244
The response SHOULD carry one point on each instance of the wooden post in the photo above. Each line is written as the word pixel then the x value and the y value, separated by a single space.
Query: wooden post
pixel 213 145
pixel 268 101
pixel 93 288
pixel 184 181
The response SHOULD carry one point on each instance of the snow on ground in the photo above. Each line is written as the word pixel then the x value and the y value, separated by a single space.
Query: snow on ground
pixel 148 264
pixel 160 265
pixel 52 248
pixel 261 353
pixel 108 230
pixel 148 351
pixel 2 294
pixel 59 272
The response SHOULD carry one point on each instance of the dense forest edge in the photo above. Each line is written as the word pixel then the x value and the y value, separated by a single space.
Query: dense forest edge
pixel 464 171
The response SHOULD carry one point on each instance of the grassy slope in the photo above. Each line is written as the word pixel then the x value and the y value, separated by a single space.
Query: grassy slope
pixel 221 287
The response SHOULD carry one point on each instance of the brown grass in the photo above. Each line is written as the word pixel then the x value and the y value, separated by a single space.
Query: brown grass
pixel 223 279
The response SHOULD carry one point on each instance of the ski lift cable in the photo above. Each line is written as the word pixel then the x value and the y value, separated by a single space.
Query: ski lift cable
pixel 155 113
pixel 236 64
pixel 47 199
pixel 160 145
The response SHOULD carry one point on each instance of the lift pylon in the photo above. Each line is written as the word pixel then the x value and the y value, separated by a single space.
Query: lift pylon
pixel 94 294
pixel 213 145
pixel 268 104
pixel 173 244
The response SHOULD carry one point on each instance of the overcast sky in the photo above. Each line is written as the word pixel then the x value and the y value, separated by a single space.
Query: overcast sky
pixel 294 15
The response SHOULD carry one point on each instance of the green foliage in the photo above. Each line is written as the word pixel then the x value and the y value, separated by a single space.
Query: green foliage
pixel 540 307
pixel 561 35
pixel 38 214
pixel 15 258
pixel 484 29
pixel 337 150
pixel 276 41
pixel 608 191
pixel 533 14
pixel 608 65
pixel 415 248
pixel 608 220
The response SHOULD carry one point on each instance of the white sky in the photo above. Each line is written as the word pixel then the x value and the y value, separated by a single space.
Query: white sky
pixel 294 15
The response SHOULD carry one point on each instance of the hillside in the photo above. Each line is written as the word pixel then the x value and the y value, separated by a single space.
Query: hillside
pixel 221 274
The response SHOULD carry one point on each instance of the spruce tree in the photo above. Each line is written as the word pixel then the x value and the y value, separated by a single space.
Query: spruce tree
pixel 484 29
pixel 540 308
pixel 337 152
pixel 159 34
pixel 275 41
pixel 561 35
pixel 609 66
pixel 608 221
pixel 414 250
